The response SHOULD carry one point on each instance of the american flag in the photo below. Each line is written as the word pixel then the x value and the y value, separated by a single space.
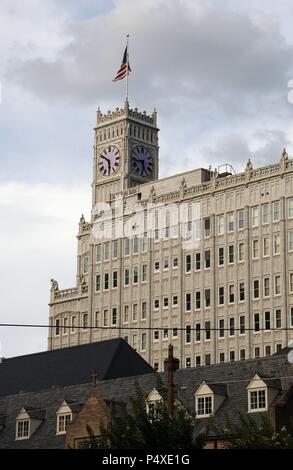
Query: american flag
pixel 125 67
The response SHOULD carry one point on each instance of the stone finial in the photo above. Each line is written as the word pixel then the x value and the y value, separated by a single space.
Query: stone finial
pixel 54 287
pixel 285 155
pixel 82 220
pixel 248 165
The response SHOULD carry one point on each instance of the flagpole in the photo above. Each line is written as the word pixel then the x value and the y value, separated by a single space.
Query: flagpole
pixel 127 84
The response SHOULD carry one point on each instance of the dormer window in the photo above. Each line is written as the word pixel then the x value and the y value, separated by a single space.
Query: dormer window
pixel 208 399
pixel 64 418
pixel 23 429
pixel 204 406
pixel 27 422
pixel 258 400
pixel 258 394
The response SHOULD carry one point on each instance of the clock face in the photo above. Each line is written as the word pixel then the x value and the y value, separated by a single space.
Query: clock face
pixel 109 161
pixel 142 161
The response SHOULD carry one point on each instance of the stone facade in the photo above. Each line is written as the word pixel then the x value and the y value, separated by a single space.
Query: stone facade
pixel 217 281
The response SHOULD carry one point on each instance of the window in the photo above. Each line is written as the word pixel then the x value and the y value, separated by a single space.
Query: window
pixel 135 244
pixel 256 322
pixel 106 281
pixel 242 355
pixel 255 249
pixel 188 263
pixel 222 357
pixel 277 244
pixel 62 422
pixel 73 324
pixel 165 334
pixel 255 216
pixel 134 312
pixel 221 328
pixel 85 321
pixel 175 333
pixel 23 429
pixel 144 273
pixel 242 325
pixel 203 406
pixel 157 266
pixel 98 253
pixel 105 318
pixel 144 242
pixel 290 208
pixel 257 352
pixel 207 257
pixel 207 359
pixel 156 366
pixel 232 356
pixel 207 298
pixel 267 320
pixel 114 316
pixel 188 334
pixel 143 341
pixel 156 304
pixel 135 275
pixel 165 264
pixel 143 310
pixel 126 314
pixel 208 330
pixel 114 279
pixel 115 248
pixel 256 289
pixel 174 231
pixel 241 220
pixel 290 240
pixel 157 235
pixel 97 318
pixel 265 214
pixel 197 261
pixel 98 282
pixel 266 285
pixel 197 332
pixel 268 351
pixel 231 254
pixel 197 300
pixel 231 294
pixel 188 230
pixel 221 256
pixel 231 222
pixel 188 302
pixel 232 326
pixel 221 224
pixel 278 318
pixel 197 361
pixel 276 211
pixel 166 232
pixel 291 282
pixel 126 277
pixel 221 295
pixel 257 400
pixel 166 302
pixel 277 282
pixel 188 362
pixel 126 247
pixel 207 228
pixel 134 341
pixel 175 301
pixel 106 251
pixel 241 292
pixel 57 327
pixel 175 263
pixel 291 316
pixel 65 326
pixel 241 252
pixel 85 265
pixel 265 247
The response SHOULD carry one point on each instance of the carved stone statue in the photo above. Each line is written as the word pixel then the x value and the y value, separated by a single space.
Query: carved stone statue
pixel 285 155
pixel 54 286
pixel 249 165
pixel 82 220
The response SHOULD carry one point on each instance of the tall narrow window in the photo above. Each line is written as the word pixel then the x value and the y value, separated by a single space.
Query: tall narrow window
pixel 277 285
pixel 255 249
pixel 221 295
pixel 207 228
pixel 197 300
pixel 188 302
pixel 231 295
pixel 221 256
pixel 290 208
pixel 188 334
pixel 188 263
pixel 255 216
pixel 232 326
pixel 126 277
pixel 221 328
pixel 266 284
pixel 115 248
pixel 278 318
pixel 266 246
pixel 221 222
pixel 207 296
pixel 256 322
pixel 241 292
pixel 197 261
pixel 241 251
pixel 126 247
pixel 277 244
pixel 276 211
pixel 115 279
pixel 207 257
pixel 242 324
pixel 241 220
pixel 231 222
pixel 231 254
pixel 256 289
pixel 267 320
pixel 265 214
pixel 208 330
pixel 143 310
pixel 99 253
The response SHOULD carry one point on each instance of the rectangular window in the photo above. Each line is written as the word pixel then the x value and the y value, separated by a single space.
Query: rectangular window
pixel 135 244
pixel 241 220
pixel 265 214
pixel 175 263
pixel 188 334
pixel 265 247
pixel 241 292
pixel 255 216
pixel 174 231
pixel 143 342
pixel 231 294
pixel 242 354
pixel 290 208
pixel 278 318
pixel 231 222
pixel 276 211
pixel 197 332
pixel 98 282
pixel 62 422
pixel 115 249
pixel 106 281
pixel 204 406
pixel 85 265
pixel 268 351
pixel 221 222
pixel 232 356
pixel 221 256
pixel 166 302
pixel 85 321
pixel 175 333
pixel 144 273
pixel 134 312
pixel 157 266
pixel 221 295
pixel 144 242
pixel 115 279
pixel 242 324
pixel 197 300
pixel 290 240
pixel 231 254
pixel 197 361
pixel 207 328
pixel 188 263
pixel 207 298
pixel 197 261
pixel 241 252
pixel 222 357
pixel 105 318
pixel 256 322
pixel 57 327
pixel 187 231
pixel 165 264
pixel 114 316
pixel 266 287
pixel 156 304
pixel 256 289
pixel 65 326
pixel 188 362
pixel 207 257
pixel 126 247
pixel 188 302
pixel 207 228
pixel 175 301
pixel 22 429
pixel 257 400
pixel 277 282
pixel 126 314
pixel 255 249
pixel 291 316
pixel 135 275
pixel 277 244
pixel 221 328
pixel 267 320
pixel 232 326
pixel 98 253
pixel 257 352
pixel 73 324
pixel 126 277
pixel 107 251
pixel 291 282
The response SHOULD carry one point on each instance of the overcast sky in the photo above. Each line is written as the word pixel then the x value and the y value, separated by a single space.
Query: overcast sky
pixel 217 72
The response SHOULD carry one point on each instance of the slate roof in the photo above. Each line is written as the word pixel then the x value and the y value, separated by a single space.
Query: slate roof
pixel 70 366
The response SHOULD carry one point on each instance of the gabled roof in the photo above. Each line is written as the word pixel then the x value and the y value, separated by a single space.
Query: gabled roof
pixel 71 366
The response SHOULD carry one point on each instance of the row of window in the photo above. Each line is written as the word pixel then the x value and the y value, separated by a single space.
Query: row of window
pixel 24 431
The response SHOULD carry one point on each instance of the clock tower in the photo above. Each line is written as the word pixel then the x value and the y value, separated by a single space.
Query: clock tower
pixel 126 151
